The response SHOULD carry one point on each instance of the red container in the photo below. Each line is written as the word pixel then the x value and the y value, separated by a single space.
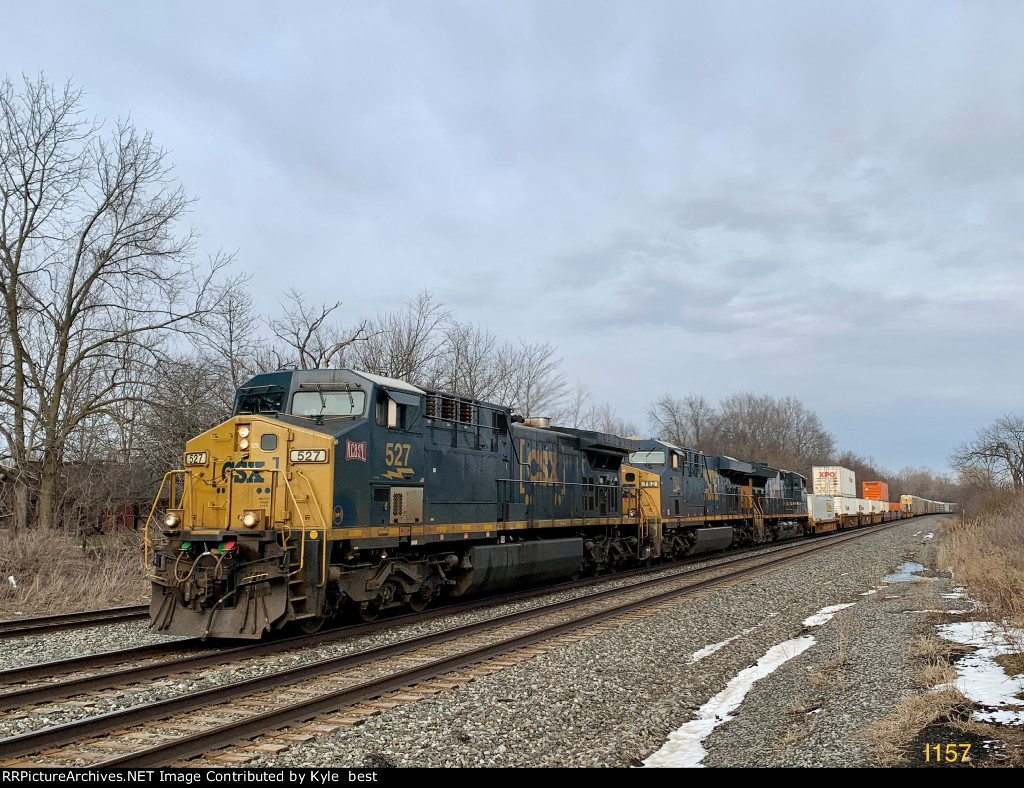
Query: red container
pixel 875 491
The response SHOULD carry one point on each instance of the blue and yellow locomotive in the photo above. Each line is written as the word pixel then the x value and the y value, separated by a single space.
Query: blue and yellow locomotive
pixel 332 490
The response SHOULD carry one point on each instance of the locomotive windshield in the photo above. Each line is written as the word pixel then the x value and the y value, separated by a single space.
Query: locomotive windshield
pixel 328 403
pixel 647 458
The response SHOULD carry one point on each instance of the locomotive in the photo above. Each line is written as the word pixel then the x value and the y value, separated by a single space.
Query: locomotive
pixel 334 490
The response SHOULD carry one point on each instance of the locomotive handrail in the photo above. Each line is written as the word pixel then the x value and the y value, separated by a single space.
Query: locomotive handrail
pixel 323 526
pixel 576 509
pixel 187 489
pixel 146 541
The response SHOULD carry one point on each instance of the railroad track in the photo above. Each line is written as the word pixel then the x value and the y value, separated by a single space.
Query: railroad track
pixel 32 626
pixel 68 678
pixel 186 726
pixel 47 681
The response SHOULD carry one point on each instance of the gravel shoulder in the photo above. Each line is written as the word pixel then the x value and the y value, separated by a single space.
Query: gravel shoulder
pixel 613 699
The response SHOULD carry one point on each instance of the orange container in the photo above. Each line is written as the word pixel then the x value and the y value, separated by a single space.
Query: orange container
pixel 875 491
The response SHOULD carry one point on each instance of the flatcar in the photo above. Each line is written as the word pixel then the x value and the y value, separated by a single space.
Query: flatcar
pixel 334 491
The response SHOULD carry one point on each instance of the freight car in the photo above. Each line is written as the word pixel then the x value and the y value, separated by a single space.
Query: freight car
pixel 336 490
pixel 914 505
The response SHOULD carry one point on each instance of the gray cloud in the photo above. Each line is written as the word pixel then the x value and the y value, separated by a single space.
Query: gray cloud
pixel 735 196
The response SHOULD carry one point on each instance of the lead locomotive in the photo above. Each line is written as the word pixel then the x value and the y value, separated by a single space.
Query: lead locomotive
pixel 333 490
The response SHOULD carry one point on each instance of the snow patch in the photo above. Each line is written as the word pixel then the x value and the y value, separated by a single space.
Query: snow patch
pixel 683 748
pixel 825 614
pixel 980 678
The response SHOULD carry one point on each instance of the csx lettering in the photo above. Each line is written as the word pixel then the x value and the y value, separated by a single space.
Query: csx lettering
pixel 242 473
pixel 397 454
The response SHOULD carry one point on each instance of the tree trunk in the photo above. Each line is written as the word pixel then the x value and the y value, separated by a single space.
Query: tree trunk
pixel 47 501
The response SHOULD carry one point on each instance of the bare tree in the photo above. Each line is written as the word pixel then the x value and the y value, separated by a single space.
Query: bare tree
pixel 530 378
pixel 309 340
pixel 466 364
pixel 924 483
pixel 575 409
pixel 229 338
pixel 408 344
pixel 90 265
pixel 689 421
pixel 603 418
pixel 193 397
pixel 997 451
pixel 779 431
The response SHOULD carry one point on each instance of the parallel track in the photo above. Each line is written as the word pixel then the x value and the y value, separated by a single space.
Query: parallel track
pixel 403 663
pixel 31 626
pixel 56 680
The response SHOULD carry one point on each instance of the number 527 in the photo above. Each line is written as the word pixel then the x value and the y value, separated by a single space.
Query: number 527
pixel 397 454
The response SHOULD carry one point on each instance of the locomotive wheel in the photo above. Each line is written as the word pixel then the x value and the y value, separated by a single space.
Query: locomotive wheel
pixel 418 604
pixel 312 625
pixel 368 611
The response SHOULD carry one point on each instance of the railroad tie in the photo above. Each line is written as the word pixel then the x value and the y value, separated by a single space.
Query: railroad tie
pixel 344 720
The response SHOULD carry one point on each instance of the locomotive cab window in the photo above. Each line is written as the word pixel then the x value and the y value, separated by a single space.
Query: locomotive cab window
pixel 266 399
pixel 394 409
pixel 322 402
pixel 647 458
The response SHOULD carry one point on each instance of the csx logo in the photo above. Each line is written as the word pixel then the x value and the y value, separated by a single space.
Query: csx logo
pixel 242 473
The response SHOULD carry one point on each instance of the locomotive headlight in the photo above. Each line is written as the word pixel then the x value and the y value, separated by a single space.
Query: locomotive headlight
pixel 251 518
pixel 172 520
pixel 243 431
pixel 243 444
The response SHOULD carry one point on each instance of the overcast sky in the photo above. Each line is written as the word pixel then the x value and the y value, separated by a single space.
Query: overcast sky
pixel 812 198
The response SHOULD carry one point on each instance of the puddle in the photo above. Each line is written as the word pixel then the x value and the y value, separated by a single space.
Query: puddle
pixel 906 573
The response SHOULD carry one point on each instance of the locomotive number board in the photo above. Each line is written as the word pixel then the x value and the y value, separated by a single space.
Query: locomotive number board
pixel 307 455
pixel 195 458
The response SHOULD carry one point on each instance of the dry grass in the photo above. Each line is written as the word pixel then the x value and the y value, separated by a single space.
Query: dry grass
pixel 932 657
pixel 832 672
pixel 889 738
pixel 55 575
pixel 800 705
pixel 986 555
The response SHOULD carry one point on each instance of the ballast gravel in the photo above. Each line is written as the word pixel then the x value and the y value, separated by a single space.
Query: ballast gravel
pixel 613 699
pixel 32 649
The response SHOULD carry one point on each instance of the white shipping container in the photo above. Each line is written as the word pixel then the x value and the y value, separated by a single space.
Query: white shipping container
pixel 834 480
pixel 821 508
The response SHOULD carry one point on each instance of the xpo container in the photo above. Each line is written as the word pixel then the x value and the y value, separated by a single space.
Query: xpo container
pixel 875 491
pixel 835 481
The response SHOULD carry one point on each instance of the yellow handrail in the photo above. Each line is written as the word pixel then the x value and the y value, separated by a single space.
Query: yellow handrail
pixel 146 541
pixel 286 530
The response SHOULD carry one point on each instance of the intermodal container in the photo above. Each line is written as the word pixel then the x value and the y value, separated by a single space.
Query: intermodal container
pixel 835 481
pixel 875 491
